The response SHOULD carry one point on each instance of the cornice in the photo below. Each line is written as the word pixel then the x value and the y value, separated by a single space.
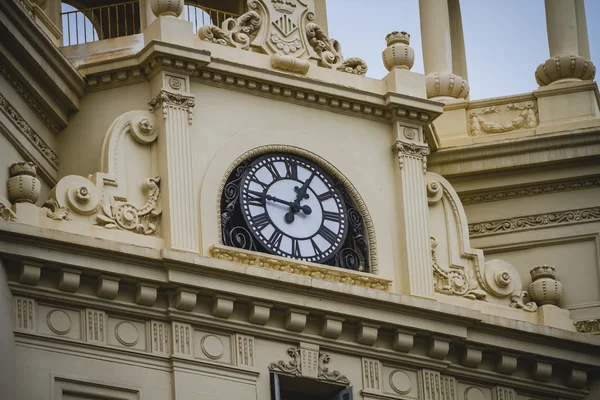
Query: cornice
pixel 203 68
pixel 515 192
pixel 522 152
pixel 536 221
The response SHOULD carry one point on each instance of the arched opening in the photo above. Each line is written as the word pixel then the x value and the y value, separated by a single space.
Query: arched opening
pixel 89 21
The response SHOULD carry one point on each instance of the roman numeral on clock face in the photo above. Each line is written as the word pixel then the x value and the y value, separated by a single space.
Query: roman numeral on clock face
pixel 291 169
pixel 332 216
pixel 276 238
pixel 296 248
pixel 315 247
pixel 260 221
pixel 273 170
pixel 327 234
pixel 325 196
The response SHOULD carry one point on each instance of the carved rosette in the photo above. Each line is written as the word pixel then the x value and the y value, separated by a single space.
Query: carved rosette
pixel 446 86
pixel 565 68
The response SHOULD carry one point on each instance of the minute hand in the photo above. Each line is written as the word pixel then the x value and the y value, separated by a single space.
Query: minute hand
pixel 306 209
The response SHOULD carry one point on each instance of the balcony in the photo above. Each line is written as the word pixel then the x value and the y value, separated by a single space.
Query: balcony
pixel 109 21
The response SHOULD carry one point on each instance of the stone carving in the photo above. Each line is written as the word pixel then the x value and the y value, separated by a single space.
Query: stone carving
pixel 175 83
pixel 54 211
pixel 172 8
pixel 500 278
pixel 329 52
pixel 23 186
pixel 446 85
pixel 565 66
pixel 6 214
pixel 309 359
pixel 398 53
pixel 589 326
pixel 530 191
pixel 127 334
pixel 294 367
pixel 25 311
pixel 126 216
pixel 212 347
pixel 29 100
pixel 283 28
pixel 291 367
pixel 454 281
pixel 295 267
pixel 95 326
pixel 372 379
pixel 400 382
pixel 233 32
pixel 519 301
pixel 412 150
pixel 28 132
pixel 436 386
pixel 165 99
pixel 244 346
pixel 59 322
pixel 182 339
pixel 332 376
pixel 525 119
pixel 533 221
pixel 160 338
pixel 544 288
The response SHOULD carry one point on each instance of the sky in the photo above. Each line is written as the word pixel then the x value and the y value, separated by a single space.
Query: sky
pixel 505 40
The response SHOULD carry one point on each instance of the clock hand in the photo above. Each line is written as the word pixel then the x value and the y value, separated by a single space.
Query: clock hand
pixel 301 194
pixel 305 209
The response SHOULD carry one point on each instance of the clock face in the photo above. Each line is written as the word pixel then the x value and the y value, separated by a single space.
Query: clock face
pixel 292 208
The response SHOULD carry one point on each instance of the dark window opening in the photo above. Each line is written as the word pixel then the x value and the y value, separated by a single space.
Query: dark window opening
pixel 285 387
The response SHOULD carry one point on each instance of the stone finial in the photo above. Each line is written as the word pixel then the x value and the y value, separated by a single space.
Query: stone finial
pixel 444 86
pixel 544 288
pixel 398 54
pixel 565 68
pixel 23 185
pixel 172 8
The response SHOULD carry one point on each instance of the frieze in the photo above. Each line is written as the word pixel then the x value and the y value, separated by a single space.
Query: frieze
pixel 530 191
pixel 28 132
pixel 298 268
pixel 29 100
pixel 534 221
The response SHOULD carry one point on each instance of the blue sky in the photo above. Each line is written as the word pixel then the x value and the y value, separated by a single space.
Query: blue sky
pixel 505 40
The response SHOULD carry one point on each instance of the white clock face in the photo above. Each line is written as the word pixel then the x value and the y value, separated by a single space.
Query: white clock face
pixel 292 208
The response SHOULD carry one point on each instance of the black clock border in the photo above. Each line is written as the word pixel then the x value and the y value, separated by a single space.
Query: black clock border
pixel 353 255
pixel 328 181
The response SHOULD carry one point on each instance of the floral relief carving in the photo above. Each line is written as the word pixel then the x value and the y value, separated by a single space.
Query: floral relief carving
pixel 526 118
pixel 28 132
pixel 294 367
pixel 534 221
pixel 454 281
pixel 6 214
pixel 233 32
pixel 589 326
pixel 520 301
pixel 55 211
pixel 126 216
pixel 411 149
pixel 167 99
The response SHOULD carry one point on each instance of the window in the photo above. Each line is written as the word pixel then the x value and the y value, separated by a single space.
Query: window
pixel 290 388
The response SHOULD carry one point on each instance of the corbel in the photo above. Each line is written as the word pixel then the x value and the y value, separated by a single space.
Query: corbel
pixel 108 287
pixel 472 357
pixel 506 364
pixel 259 312
pixel 30 273
pixel 295 319
pixel 332 326
pixel 542 371
pixel 403 340
pixel 577 378
pixel 438 348
pixel 367 333
pixel 185 299
pixel 145 294
pixel 222 306
pixel 69 279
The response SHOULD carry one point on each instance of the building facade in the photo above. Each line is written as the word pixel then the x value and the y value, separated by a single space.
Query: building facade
pixel 209 201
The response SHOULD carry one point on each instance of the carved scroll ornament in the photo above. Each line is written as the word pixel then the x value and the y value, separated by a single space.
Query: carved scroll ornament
pixel 294 367
pixel 233 32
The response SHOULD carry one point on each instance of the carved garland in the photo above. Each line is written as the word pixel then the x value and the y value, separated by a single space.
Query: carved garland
pixel 526 119
pixel 294 367
pixel 589 326
pixel 534 221
pixel 28 132
pixel 329 168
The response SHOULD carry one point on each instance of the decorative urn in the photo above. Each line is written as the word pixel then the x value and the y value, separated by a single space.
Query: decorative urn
pixel 544 288
pixel 172 8
pixel 398 54
pixel 23 185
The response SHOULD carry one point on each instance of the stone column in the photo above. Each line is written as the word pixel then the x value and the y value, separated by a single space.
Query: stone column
pixel 567 36
pixel 437 37
pixel 412 152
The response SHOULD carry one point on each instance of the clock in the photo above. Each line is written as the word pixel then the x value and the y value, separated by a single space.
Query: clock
pixel 292 208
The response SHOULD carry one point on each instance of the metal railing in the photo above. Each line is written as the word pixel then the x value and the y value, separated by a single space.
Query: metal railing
pixel 104 22
pixel 200 15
